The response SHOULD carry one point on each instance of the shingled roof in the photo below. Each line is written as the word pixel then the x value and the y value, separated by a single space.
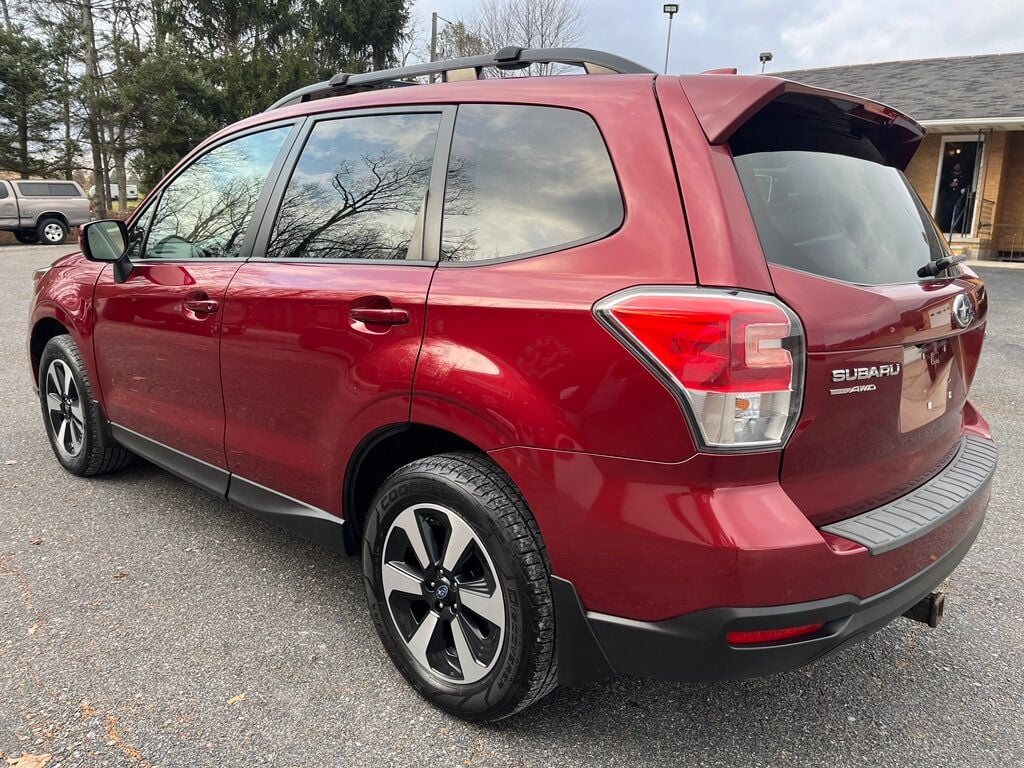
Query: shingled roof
pixel 960 88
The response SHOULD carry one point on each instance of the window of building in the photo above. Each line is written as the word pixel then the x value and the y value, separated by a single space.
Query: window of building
pixel 358 189
pixel 523 180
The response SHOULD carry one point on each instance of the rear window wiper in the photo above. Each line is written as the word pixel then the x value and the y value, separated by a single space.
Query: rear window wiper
pixel 932 268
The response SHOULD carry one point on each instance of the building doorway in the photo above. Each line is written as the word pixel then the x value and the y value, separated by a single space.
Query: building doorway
pixel 957 185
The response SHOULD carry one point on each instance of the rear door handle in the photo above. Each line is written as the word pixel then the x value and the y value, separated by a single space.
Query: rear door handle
pixel 381 316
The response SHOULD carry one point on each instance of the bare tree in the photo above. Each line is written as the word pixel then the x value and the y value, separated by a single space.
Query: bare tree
pixel 531 24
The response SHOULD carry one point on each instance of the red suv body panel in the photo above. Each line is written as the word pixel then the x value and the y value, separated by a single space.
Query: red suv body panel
pixel 507 356
pixel 304 382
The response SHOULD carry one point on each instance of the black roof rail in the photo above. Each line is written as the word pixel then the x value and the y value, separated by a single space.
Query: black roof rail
pixel 468 68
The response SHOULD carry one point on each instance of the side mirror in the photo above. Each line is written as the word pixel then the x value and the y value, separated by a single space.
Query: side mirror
pixel 106 241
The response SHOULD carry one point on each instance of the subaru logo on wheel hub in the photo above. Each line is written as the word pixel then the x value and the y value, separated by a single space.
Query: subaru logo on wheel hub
pixel 441 592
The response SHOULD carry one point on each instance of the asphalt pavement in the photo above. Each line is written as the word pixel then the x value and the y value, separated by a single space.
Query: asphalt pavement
pixel 146 623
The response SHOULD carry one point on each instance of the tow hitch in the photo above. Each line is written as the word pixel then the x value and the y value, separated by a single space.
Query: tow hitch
pixel 928 610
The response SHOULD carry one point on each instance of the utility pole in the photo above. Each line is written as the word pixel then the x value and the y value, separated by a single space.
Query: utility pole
pixel 433 39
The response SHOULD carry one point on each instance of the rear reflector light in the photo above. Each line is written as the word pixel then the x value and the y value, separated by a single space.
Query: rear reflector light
pixel 761 636
pixel 736 358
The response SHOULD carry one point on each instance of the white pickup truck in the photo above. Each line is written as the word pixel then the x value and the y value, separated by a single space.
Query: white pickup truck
pixel 42 211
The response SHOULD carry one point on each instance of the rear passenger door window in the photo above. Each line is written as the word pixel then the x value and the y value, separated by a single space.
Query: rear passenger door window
pixel 205 211
pixel 524 180
pixel 358 190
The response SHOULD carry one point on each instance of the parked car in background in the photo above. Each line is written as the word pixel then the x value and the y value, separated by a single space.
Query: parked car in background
pixel 115 191
pixel 610 374
pixel 41 210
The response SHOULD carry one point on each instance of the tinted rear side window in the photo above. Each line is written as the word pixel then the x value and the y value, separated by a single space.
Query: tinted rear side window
pixel 358 189
pixel 824 201
pixel 3 191
pixel 47 189
pixel 524 180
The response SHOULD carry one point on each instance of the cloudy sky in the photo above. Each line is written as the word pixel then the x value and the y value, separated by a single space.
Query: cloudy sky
pixel 801 33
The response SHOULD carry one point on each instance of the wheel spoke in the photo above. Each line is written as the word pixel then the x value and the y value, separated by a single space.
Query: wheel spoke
pixel 471 668
pixel 490 607
pixel 460 537
pixel 53 402
pixel 68 380
pixel 397 579
pixel 55 380
pixel 77 433
pixel 77 412
pixel 408 523
pixel 62 434
pixel 421 639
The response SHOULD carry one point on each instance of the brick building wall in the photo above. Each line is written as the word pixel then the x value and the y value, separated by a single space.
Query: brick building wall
pixel 921 171
pixel 1001 222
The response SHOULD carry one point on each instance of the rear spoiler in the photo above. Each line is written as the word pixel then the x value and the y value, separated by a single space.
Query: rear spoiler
pixel 723 103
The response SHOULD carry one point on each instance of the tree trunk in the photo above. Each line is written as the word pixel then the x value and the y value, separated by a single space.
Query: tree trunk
pixel 120 170
pixel 68 159
pixel 24 163
pixel 99 174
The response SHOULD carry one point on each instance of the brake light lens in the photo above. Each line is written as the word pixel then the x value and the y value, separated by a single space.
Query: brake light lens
pixel 736 358
pixel 762 636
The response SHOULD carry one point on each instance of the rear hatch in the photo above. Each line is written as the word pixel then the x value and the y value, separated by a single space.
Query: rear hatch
pixel 890 354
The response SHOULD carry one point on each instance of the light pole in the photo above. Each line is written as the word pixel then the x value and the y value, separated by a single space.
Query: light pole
pixel 765 57
pixel 671 9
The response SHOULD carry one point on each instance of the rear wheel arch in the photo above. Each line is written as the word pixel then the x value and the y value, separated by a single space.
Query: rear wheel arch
pixel 378 455
pixel 53 215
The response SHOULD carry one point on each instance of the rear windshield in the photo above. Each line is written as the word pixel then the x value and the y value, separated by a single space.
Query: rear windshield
pixel 824 201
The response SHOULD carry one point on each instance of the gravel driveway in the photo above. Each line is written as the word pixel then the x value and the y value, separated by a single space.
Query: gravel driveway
pixel 146 623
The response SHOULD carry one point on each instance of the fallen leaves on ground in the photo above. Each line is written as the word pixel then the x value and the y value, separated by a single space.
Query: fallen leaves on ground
pixel 120 576
pixel 29 761
pixel 237 699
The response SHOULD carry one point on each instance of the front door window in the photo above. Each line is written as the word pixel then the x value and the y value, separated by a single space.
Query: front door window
pixel 958 185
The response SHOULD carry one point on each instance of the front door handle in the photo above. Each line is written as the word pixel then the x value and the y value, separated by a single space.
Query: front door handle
pixel 380 315
pixel 201 304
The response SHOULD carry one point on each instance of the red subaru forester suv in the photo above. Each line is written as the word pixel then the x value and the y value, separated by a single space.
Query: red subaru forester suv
pixel 603 374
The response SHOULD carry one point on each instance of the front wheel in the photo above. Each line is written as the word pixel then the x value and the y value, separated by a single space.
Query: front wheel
pixel 26 236
pixel 458 582
pixel 74 422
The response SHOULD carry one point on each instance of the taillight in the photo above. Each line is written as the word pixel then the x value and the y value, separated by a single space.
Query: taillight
pixel 735 358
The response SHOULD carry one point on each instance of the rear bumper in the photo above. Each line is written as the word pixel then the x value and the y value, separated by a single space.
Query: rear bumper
pixel 945 514
pixel 694 647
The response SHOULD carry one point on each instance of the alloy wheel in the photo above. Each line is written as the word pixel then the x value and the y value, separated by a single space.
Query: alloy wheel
pixel 64 409
pixel 53 233
pixel 443 594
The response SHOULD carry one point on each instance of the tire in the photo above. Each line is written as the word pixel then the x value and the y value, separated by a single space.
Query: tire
pixel 52 231
pixel 74 422
pixel 26 236
pixel 497 596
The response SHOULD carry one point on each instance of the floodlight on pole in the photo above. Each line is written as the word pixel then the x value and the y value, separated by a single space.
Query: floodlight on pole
pixel 671 9
pixel 765 57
